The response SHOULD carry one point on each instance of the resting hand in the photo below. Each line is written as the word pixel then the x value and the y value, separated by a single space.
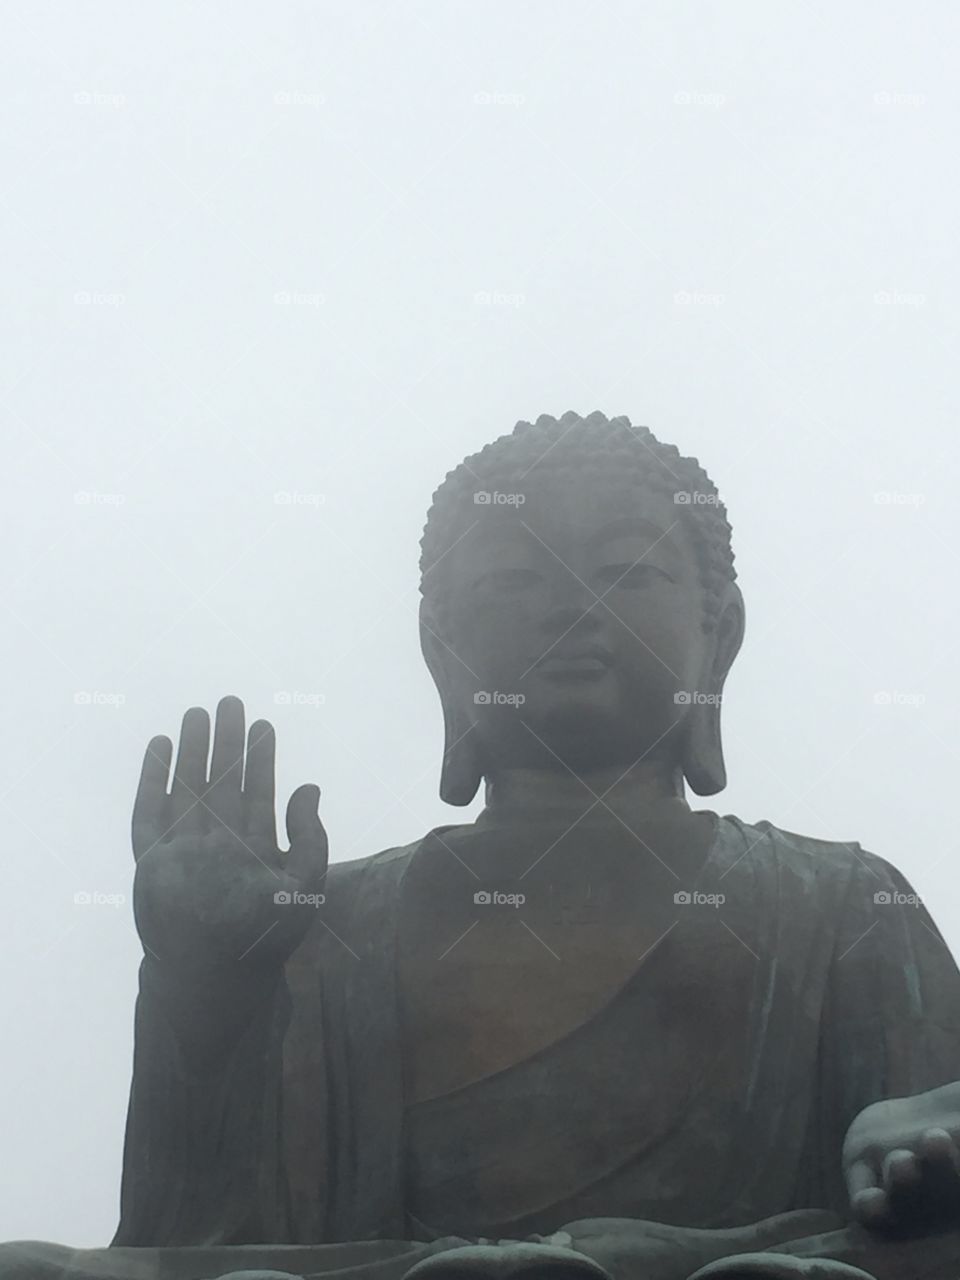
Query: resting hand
pixel 901 1161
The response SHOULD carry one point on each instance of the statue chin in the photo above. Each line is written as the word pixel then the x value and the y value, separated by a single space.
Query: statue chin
pixel 587 735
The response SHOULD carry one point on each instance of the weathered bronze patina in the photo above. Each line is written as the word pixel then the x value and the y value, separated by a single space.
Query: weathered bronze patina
pixel 592 1033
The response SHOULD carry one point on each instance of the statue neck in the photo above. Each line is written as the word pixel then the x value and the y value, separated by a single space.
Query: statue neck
pixel 646 792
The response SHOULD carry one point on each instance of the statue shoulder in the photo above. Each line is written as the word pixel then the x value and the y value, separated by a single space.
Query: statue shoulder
pixel 351 869
pixel 829 859
pixel 377 871
pixel 359 902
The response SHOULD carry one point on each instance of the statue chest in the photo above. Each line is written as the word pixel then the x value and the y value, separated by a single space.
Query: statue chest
pixel 495 967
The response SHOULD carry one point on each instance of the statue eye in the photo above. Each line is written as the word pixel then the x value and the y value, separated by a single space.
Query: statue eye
pixel 631 576
pixel 510 579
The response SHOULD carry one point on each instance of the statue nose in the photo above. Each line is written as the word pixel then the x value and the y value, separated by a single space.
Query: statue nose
pixel 573 603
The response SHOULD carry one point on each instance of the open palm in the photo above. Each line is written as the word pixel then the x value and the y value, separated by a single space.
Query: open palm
pixel 212 888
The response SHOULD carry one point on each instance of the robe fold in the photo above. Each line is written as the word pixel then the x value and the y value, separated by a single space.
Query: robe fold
pixel 716 1087
pixel 713 1090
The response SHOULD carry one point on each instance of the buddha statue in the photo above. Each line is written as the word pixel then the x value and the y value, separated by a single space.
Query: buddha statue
pixel 594 1033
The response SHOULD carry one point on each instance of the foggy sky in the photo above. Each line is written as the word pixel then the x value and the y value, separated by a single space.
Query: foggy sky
pixel 326 250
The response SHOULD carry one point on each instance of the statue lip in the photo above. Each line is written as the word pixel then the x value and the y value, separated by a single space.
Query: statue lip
pixel 580 657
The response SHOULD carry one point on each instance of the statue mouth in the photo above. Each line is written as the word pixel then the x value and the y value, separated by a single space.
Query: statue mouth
pixel 582 660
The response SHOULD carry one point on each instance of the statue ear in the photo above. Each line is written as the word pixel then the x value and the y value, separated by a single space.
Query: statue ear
pixel 703 765
pixel 460 773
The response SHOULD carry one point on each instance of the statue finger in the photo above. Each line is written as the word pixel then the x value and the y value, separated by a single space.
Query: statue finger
pixel 868 1200
pixel 939 1159
pixel 903 1182
pixel 938 1152
pixel 190 772
pixel 223 796
pixel 862 1175
pixel 259 785
pixel 150 807
pixel 901 1170
pixel 306 860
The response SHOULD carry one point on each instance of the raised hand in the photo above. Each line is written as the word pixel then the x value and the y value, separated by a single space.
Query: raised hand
pixel 901 1160
pixel 212 889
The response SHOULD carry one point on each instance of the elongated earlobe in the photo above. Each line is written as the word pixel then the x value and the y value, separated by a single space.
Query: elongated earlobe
pixel 460 774
pixel 703 765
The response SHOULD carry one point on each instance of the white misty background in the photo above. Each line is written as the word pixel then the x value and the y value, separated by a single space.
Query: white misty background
pixel 328 249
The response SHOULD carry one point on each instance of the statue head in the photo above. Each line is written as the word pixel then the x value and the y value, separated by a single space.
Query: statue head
pixel 580 609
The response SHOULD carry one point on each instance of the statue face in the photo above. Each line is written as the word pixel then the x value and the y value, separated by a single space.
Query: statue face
pixel 576 621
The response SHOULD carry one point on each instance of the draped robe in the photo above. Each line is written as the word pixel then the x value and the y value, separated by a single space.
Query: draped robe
pixel 714 1089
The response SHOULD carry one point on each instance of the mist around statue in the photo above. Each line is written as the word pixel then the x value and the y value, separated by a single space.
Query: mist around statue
pixel 479 786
